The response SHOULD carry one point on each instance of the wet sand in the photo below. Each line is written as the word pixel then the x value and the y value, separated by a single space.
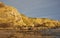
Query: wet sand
pixel 11 33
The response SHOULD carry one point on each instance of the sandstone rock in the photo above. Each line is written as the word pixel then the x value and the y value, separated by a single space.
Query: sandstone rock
pixel 12 18
pixel 9 14
pixel 26 27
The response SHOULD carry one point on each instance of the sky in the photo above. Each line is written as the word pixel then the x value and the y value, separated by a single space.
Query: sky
pixel 37 8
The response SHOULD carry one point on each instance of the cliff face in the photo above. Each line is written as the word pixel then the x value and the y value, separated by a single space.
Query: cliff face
pixel 16 25
pixel 10 17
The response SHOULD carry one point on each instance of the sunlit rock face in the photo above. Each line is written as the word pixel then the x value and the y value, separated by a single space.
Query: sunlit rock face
pixel 26 27
pixel 10 17
pixel 45 22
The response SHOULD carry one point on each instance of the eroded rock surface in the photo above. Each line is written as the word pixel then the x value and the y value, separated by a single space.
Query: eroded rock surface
pixel 16 25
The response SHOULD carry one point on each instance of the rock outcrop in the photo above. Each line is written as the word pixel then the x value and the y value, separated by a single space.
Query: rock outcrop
pixel 16 25
pixel 10 17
